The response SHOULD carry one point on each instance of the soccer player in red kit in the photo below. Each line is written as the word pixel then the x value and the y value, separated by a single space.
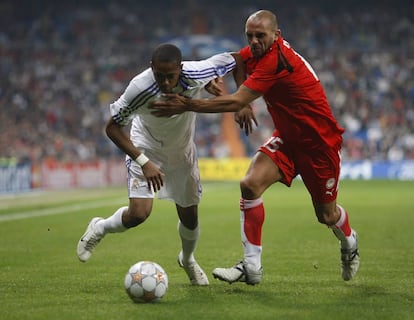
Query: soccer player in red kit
pixel 307 142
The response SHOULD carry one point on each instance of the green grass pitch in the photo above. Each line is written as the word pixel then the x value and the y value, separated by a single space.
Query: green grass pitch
pixel 41 277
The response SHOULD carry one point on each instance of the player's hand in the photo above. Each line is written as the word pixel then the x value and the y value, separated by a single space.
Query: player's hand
pixel 245 118
pixel 216 87
pixel 153 175
pixel 169 105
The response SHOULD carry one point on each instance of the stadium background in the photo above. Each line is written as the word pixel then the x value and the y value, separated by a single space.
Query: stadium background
pixel 62 63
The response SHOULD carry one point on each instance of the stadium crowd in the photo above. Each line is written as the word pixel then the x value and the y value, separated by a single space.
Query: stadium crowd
pixel 62 64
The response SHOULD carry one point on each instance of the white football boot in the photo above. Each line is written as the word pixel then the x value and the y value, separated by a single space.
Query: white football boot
pixel 196 275
pixel 241 272
pixel 350 260
pixel 88 241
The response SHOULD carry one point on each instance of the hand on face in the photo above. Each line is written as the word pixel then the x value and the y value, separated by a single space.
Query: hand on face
pixel 169 105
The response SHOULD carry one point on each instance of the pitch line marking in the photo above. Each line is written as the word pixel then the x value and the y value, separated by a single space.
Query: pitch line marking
pixel 59 210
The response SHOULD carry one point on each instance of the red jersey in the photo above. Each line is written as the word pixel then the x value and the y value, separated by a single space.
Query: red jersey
pixel 294 96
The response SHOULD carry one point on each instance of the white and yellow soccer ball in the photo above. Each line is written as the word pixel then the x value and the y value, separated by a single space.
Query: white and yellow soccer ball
pixel 146 281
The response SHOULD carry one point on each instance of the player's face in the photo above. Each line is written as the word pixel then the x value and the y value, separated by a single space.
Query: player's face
pixel 166 74
pixel 260 36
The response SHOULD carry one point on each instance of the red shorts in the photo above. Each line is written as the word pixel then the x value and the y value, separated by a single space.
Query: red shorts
pixel 319 167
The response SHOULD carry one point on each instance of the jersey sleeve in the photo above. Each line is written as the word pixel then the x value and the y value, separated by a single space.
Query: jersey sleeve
pixel 134 97
pixel 199 73
pixel 261 72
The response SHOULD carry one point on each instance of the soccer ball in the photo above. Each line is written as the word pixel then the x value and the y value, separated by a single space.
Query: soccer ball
pixel 146 281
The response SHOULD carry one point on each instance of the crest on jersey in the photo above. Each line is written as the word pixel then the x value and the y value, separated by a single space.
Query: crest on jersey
pixel 221 71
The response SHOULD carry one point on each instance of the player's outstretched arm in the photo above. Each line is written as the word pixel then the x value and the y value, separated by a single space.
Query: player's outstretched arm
pixel 175 104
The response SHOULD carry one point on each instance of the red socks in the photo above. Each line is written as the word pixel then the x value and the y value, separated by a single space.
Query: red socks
pixel 343 222
pixel 252 217
pixel 251 222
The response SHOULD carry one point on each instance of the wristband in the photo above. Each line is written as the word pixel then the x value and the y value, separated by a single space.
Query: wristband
pixel 141 159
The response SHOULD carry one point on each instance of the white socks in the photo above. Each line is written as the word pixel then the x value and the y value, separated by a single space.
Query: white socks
pixel 189 240
pixel 112 224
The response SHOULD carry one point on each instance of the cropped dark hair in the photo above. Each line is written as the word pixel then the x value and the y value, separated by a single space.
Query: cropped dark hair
pixel 166 53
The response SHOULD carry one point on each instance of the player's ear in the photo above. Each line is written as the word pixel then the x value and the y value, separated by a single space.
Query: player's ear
pixel 278 33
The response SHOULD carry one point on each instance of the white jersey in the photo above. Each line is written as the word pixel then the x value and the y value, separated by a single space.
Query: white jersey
pixel 168 142
pixel 159 133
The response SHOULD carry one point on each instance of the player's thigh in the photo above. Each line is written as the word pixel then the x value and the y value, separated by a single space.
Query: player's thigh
pixel 280 153
pixel 140 196
pixel 320 174
pixel 137 184
pixel 182 185
pixel 262 173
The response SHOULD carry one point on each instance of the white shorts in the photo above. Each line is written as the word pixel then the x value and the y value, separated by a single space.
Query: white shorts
pixel 181 181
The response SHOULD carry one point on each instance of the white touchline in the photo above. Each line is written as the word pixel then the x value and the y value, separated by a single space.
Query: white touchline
pixel 60 210
pixel 72 208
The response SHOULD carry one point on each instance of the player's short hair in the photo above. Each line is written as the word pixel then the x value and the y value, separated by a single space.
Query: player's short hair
pixel 166 52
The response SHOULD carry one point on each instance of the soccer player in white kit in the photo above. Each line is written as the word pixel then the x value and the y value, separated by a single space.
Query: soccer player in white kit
pixel 160 152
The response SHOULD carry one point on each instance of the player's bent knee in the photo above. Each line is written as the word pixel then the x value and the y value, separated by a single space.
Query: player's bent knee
pixel 133 219
pixel 326 213
pixel 326 218
pixel 247 189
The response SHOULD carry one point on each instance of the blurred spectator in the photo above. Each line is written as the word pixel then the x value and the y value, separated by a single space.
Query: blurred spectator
pixel 62 64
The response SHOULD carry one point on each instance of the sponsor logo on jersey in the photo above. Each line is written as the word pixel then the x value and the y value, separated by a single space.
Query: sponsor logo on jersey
pixel 330 183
